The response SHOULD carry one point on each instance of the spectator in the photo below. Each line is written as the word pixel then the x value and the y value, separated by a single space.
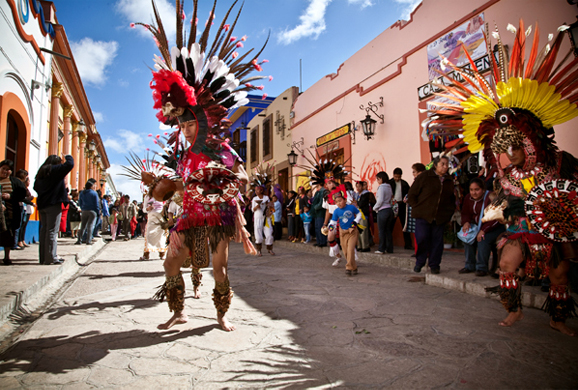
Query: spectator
pixel 306 218
pixel 278 215
pixel 28 210
pixel 105 213
pixel 98 223
pixel 474 202
pixel 409 224
pixel 400 188
pixel 51 190
pixel 128 212
pixel 133 221
pixel 363 204
pixel 74 214
pixel 290 207
pixel 372 214
pixel 351 194
pixel 13 193
pixel 64 214
pixel 22 175
pixel 318 215
pixel 113 220
pixel 90 205
pixel 433 203
pixel 384 214
pixel 269 227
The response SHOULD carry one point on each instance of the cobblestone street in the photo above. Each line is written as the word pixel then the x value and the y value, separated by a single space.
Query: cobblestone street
pixel 300 324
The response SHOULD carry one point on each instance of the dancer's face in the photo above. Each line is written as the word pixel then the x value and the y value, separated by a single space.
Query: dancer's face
pixel 517 157
pixel 189 130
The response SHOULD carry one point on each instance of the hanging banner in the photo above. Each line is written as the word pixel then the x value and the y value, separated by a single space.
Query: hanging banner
pixel 335 134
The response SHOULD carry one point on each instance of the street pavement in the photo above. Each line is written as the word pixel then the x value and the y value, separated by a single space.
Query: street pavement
pixel 300 324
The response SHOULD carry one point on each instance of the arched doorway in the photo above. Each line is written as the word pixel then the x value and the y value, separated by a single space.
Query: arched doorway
pixel 15 148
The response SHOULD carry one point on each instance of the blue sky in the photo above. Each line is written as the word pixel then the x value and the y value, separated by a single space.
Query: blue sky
pixel 114 59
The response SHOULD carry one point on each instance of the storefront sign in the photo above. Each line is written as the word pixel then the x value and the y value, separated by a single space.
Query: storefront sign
pixel 483 64
pixel 335 134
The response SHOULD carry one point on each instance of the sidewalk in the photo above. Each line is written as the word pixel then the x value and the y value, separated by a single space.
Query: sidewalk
pixel 448 278
pixel 26 284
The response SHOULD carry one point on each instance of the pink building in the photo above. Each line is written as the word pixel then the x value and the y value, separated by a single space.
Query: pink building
pixel 397 67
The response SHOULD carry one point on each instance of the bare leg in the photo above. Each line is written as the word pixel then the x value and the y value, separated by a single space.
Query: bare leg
pixel 172 266
pixel 220 268
pixel 559 277
pixel 510 260
pixel 196 277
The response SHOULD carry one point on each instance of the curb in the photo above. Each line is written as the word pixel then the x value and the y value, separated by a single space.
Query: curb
pixel 531 296
pixel 28 299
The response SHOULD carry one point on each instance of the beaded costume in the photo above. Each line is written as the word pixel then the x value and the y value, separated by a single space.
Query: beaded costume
pixel 200 81
pixel 516 110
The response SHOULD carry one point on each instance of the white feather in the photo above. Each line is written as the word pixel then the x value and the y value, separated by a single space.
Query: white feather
pixel 175 52
pixel 496 35
pixel 563 27
pixel 511 28
pixel 529 31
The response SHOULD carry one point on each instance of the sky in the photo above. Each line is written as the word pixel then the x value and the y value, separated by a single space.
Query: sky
pixel 114 60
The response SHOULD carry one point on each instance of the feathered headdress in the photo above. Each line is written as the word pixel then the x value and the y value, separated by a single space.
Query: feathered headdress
pixel 264 177
pixel 323 169
pixel 198 80
pixel 517 107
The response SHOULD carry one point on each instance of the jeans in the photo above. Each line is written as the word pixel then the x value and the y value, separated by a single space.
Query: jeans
pixel 23 224
pixel 49 225
pixel 430 243
pixel 87 225
pixel 385 225
pixel 484 249
pixel 321 238
pixel 306 226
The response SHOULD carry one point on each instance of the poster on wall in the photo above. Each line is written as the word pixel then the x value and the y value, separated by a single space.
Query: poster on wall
pixel 470 33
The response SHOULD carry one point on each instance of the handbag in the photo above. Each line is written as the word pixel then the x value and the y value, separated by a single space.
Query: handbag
pixel 470 235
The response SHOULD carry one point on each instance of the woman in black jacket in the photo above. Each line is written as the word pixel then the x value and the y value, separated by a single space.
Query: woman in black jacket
pixel 13 192
pixel 51 190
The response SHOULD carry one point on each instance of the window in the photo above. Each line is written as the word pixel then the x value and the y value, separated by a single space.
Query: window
pixel 255 146
pixel 267 138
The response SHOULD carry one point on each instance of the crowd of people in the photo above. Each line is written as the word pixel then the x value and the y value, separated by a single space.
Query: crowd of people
pixel 423 210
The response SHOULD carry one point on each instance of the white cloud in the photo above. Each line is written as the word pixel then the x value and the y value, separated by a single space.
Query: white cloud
pixel 92 58
pixel 407 7
pixel 363 3
pixel 312 23
pixel 98 116
pixel 142 11
pixel 124 184
pixel 126 141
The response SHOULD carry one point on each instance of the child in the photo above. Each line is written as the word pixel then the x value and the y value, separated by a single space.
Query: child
pixel 113 221
pixel 306 218
pixel 346 216
pixel 268 228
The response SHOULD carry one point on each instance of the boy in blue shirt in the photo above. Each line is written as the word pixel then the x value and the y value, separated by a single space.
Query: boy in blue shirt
pixel 346 216
pixel 306 218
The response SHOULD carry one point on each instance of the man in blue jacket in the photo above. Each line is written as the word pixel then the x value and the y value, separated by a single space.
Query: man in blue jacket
pixel 90 206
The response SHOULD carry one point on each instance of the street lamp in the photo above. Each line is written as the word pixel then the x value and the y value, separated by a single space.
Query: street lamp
pixel 368 125
pixel 292 157
pixel 92 146
pixel 102 181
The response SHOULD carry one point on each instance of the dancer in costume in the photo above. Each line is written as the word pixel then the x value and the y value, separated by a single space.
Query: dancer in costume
pixel 195 84
pixel 515 115
pixel 327 173
pixel 259 204
pixel 155 234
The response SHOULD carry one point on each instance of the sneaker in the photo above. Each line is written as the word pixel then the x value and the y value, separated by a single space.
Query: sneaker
pixel 465 271
pixel 378 252
pixel 336 262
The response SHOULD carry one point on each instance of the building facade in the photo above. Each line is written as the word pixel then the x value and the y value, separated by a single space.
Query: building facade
pixel 392 74
pixel 44 109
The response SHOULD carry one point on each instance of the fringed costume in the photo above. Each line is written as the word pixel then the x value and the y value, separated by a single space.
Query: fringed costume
pixel 198 83
pixel 513 113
